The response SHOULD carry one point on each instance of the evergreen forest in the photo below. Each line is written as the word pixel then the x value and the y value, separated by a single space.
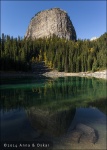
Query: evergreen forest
pixel 19 54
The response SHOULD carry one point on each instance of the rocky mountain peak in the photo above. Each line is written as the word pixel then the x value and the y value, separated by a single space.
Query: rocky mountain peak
pixel 52 21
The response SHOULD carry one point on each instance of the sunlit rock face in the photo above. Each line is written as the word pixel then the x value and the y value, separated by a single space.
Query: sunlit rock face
pixel 51 22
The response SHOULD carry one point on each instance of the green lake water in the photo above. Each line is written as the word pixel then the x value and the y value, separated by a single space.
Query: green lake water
pixel 48 109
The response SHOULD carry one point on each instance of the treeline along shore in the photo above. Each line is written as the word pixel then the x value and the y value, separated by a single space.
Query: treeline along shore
pixel 58 54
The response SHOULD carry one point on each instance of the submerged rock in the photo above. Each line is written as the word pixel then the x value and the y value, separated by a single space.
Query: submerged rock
pixel 76 135
pixel 83 133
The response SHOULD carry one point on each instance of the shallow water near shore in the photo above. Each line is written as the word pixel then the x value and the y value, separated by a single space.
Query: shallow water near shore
pixel 48 109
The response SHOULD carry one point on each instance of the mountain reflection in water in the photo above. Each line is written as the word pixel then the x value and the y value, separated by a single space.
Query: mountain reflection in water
pixel 50 108
pixel 53 124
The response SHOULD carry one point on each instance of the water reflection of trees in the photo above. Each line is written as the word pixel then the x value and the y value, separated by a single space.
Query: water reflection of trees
pixel 55 94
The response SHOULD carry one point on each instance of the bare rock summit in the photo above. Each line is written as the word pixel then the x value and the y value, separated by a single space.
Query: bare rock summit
pixel 51 22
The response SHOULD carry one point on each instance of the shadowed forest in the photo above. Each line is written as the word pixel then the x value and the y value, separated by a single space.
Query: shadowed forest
pixel 18 54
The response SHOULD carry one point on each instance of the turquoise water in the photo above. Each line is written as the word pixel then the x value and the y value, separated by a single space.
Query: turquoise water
pixel 34 109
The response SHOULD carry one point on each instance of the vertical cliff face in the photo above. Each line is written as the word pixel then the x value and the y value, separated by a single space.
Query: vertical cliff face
pixel 53 21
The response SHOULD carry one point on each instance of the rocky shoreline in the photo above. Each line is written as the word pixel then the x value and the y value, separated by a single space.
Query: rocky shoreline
pixel 55 74
pixel 98 74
